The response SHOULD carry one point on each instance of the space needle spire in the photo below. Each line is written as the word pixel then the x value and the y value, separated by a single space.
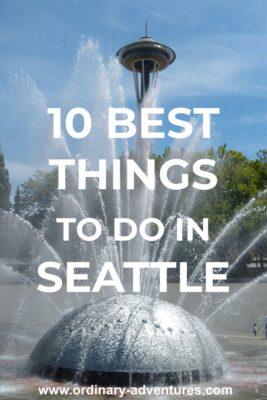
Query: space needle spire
pixel 145 58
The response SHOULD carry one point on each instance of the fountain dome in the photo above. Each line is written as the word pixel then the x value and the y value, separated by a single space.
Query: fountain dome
pixel 128 340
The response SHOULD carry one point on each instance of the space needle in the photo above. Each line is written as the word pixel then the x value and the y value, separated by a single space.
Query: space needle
pixel 145 58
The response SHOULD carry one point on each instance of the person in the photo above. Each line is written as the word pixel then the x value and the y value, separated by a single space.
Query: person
pixel 255 329
pixel 265 327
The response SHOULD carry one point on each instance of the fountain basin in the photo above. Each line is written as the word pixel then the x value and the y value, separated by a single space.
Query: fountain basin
pixel 128 340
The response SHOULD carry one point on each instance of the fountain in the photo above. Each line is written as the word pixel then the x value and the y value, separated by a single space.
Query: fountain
pixel 129 340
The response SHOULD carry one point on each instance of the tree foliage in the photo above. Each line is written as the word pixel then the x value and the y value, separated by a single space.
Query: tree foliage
pixel 36 195
pixel 17 202
pixel 5 186
pixel 239 180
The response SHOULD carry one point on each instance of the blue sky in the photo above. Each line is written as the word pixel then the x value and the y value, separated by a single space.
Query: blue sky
pixel 221 62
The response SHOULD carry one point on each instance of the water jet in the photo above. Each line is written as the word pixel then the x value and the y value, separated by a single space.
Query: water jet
pixel 131 340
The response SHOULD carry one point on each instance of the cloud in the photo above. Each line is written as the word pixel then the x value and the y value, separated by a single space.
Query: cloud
pixel 222 65
pixel 254 119
pixel 26 129
pixel 19 172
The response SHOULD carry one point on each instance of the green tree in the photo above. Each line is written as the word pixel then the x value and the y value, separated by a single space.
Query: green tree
pixel 17 202
pixel 5 186
pixel 36 196
pixel 262 156
pixel 238 182
pixel 260 166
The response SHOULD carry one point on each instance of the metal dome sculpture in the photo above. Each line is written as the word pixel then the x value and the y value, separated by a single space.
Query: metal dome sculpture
pixel 128 340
